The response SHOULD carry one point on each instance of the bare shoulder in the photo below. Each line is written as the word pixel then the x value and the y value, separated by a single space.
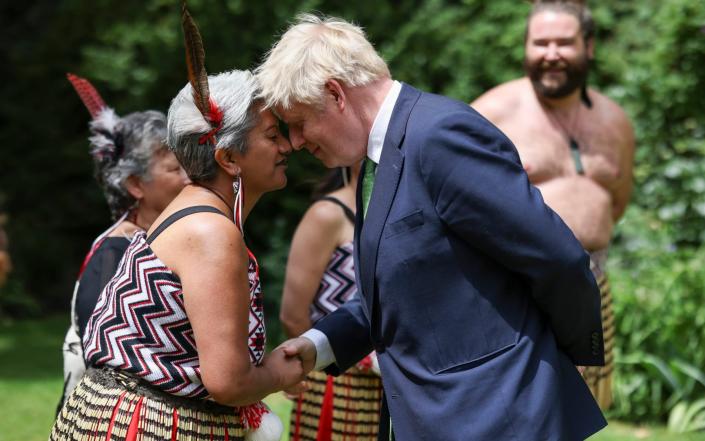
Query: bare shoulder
pixel 610 112
pixel 200 237
pixel 503 100
pixel 324 214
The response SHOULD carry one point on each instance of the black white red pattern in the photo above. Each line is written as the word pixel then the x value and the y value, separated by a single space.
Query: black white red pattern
pixel 337 285
pixel 140 325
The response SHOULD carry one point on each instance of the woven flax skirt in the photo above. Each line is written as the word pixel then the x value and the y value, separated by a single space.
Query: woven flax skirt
pixel 599 378
pixel 107 405
pixel 338 408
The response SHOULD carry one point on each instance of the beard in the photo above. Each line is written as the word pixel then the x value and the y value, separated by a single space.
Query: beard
pixel 576 74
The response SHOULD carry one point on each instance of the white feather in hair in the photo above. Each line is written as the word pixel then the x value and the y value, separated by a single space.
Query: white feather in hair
pixel 103 133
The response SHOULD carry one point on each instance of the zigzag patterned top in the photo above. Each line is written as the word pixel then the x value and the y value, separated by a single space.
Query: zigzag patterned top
pixel 337 285
pixel 140 325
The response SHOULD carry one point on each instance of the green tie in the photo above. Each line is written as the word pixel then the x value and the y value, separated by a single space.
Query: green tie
pixel 368 181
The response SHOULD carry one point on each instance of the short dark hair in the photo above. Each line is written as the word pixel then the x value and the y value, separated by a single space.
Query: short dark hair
pixel 575 8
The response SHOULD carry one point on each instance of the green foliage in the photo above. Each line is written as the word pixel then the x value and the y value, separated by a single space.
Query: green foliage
pixel 660 321
pixel 649 59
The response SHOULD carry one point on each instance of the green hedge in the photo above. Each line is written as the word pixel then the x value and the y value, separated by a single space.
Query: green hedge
pixel 650 59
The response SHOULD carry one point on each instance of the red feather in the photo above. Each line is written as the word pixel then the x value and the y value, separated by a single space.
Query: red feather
pixel 215 115
pixel 90 97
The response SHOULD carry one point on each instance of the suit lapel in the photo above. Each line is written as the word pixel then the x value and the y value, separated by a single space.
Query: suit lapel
pixel 383 192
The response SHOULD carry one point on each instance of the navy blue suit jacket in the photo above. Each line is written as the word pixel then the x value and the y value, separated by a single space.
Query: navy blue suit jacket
pixel 476 296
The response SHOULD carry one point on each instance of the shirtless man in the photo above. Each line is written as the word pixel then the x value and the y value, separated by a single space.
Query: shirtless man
pixel 577 145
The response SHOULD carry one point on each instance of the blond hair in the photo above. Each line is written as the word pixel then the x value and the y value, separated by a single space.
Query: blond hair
pixel 312 51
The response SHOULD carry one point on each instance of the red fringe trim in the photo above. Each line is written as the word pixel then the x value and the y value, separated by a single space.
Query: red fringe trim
pixel 325 423
pixel 251 416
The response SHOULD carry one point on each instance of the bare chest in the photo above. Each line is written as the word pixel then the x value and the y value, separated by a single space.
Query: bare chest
pixel 546 152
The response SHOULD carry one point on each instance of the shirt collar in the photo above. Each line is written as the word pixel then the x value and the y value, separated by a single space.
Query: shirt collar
pixel 375 142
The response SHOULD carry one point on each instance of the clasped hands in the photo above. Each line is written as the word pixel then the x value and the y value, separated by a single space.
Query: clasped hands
pixel 292 361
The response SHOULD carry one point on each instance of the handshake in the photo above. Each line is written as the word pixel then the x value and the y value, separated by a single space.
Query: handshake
pixel 291 361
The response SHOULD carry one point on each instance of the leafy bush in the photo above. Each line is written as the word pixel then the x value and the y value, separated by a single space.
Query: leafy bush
pixel 659 292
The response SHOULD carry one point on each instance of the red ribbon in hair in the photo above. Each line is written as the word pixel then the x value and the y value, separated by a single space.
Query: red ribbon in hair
pixel 215 118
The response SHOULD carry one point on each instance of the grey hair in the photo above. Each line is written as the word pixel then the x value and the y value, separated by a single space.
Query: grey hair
pixel 235 94
pixel 124 147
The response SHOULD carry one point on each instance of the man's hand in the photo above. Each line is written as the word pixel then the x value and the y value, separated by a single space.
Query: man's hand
pixel 302 348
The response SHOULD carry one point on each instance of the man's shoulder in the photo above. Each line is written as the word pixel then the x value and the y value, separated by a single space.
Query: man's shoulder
pixel 432 112
pixel 504 100
pixel 607 108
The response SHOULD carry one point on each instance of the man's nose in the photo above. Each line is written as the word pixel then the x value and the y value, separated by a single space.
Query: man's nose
pixel 552 52
pixel 296 139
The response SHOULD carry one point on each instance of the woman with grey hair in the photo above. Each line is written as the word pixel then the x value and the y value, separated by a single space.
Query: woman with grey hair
pixel 139 177
pixel 179 330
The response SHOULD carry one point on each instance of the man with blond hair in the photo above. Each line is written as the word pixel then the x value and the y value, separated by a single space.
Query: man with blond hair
pixel 476 296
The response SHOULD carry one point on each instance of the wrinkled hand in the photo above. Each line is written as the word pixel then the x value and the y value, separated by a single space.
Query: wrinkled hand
pixel 288 370
pixel 302 348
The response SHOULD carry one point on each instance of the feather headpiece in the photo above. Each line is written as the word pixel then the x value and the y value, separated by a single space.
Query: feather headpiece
pixel 90 97
pixel 198 77
pixel 106 142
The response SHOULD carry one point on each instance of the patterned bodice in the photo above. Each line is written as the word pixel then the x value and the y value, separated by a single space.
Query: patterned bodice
pixel 140 324
pixel 337 285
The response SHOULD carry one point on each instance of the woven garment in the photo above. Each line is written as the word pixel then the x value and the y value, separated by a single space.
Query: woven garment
pixel 140 324
pixel 599 378
pixel 337 284
pixel 351 411
pixel 110 406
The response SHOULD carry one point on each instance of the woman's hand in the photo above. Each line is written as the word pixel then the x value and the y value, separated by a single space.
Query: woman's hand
pixel 287 370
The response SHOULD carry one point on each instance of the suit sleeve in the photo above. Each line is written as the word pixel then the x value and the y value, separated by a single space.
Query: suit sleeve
pixel 348 332
pixel 481 193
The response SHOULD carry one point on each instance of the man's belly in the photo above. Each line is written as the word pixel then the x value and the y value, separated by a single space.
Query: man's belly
pixel 584 205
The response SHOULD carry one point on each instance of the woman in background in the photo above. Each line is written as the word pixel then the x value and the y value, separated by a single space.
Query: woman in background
pixel 320 277
pixel 139 177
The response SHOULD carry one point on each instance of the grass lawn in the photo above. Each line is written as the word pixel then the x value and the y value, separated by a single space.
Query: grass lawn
pixel 31 381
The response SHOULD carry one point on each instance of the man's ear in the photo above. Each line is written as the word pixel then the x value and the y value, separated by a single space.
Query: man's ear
pixel 133 184
pixel 335 91
pixel 224 158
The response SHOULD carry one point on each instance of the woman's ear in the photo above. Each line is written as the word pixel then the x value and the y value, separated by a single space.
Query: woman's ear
pixel 133 184
pixel 226 161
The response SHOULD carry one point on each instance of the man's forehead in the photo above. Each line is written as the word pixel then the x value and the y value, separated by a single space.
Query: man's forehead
pixel 553 24
pixel 294 112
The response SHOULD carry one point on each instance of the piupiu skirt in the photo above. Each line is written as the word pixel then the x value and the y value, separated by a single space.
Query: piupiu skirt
pixel 599 378
pixel 338 408
pixel 111 405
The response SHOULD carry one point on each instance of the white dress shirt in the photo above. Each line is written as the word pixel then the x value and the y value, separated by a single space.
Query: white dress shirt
pixel 375 142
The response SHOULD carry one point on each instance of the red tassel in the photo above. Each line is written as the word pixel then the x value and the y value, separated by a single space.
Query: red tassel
pixel 175 425
pixel 325 423
pixel 251 416
pixel 133 430
pixel 113 416
pixel 297 422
